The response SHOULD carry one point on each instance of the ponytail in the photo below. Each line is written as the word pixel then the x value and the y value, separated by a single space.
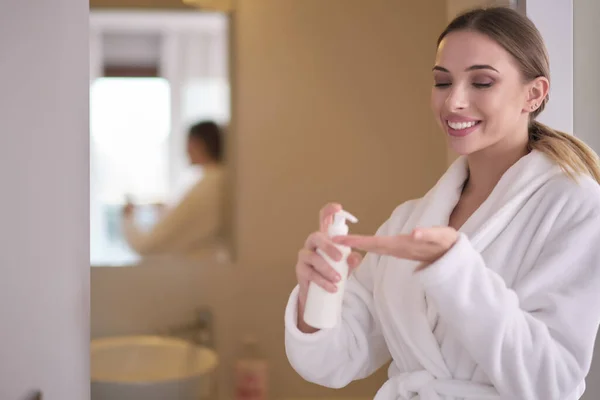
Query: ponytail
pixel 573 155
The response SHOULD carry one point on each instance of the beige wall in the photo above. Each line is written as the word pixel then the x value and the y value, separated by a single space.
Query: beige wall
pixel 331 103
pixel 454 7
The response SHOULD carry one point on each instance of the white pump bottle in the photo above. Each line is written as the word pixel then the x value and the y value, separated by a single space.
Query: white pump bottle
pixel 323 310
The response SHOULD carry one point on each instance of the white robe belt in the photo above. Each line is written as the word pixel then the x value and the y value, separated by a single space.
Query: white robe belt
pixel 422 385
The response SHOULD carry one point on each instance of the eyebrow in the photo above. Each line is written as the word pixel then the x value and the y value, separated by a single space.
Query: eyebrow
pixel 471 68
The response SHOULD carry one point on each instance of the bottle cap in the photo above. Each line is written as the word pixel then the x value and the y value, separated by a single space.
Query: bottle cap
pixel 339 227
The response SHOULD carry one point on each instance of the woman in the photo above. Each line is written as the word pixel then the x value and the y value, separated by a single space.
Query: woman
pixel 488 287
pixel 194 225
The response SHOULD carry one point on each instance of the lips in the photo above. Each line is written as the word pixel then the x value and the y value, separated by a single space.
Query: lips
pixel 461 127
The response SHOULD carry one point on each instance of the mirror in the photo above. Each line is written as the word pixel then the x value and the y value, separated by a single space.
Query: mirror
pixel 159 117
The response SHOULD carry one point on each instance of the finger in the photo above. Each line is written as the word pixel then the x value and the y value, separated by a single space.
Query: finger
pixel 431 243
pixel 320 280
pixel 426 234
pixel 312 261
pixel 326 215
pixel 385 245
pixel 354 260
pixel 442 235
pixel 314 269
pixel 303 269
pixel 400 246
pixel 323 268
pixel 319 240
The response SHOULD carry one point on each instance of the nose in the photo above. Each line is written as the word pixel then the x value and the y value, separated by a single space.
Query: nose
pixel 457 98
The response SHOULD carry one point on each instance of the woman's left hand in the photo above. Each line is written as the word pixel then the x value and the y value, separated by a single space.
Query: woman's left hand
pixel 422 244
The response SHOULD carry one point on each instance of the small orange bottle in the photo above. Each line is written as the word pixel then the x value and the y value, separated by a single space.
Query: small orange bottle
pixel 251 372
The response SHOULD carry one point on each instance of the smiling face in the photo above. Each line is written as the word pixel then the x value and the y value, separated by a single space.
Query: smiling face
pixel 479 98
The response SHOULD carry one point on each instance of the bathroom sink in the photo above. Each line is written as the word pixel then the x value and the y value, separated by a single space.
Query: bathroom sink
pixel 150 368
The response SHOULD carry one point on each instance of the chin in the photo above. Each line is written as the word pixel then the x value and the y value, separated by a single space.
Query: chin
pixel 463 146
pixel 467 142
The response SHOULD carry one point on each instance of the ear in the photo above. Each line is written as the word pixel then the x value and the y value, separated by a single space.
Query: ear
pixel 537 90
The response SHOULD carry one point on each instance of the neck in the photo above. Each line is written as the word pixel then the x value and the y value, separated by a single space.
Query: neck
pixel 487 166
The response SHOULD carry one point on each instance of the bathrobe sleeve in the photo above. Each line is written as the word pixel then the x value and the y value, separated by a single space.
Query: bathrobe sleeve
pixel 195 217
pixel 534 341
pixel 355 348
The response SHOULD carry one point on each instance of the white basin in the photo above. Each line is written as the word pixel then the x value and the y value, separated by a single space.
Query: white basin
pixel 149 368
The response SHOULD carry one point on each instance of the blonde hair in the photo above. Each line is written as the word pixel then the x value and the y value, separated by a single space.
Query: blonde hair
pixel 519 36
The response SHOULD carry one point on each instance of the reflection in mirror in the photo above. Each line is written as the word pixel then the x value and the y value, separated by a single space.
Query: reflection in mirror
pixel 159 110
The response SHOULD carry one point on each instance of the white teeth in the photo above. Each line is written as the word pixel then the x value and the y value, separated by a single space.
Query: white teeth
pixel 461 125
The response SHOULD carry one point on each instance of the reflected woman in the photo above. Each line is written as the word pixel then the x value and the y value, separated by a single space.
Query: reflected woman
pixel 194 225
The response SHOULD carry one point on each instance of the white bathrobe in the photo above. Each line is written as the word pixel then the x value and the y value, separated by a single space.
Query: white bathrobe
pixel 192 225
pixel 511 311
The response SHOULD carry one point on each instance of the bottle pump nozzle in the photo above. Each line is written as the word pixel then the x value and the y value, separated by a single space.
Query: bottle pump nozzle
pixel 339 227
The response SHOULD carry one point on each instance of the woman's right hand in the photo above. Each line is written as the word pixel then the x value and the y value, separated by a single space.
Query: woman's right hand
pixel 311 267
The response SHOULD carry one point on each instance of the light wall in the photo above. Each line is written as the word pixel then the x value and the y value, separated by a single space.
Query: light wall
pixel 331 103
pixel 555 23
pixel 586 53
pixel 44 289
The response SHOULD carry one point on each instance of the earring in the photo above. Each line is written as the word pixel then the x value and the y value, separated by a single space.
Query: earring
pixel 533 107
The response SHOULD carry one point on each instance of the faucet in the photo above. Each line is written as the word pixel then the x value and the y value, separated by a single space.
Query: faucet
pixel 200 329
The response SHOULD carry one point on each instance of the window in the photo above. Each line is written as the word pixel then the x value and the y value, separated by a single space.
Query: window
pixel 130 123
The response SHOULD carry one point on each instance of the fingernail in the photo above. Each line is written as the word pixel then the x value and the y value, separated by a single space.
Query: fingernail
pixel 338 278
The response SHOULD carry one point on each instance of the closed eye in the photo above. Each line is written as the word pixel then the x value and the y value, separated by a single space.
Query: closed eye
pixel 476 85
